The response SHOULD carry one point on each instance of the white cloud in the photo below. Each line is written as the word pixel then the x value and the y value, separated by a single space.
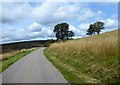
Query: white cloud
pixel 75 30
pixel 35 30
pixel 40 30
pixel 44 13
pixel 79 31
pixel 12 12
pixel 110 22
pixel 84 26
pixel 54 12
pixel 35 27
pixel 67 11
pixel 46 33
pixel 86 14
pixel 47 12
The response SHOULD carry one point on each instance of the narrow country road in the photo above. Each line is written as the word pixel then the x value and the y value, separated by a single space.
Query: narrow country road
pixel 33 68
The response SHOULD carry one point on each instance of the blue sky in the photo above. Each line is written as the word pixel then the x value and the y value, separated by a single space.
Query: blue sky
pixel 23 21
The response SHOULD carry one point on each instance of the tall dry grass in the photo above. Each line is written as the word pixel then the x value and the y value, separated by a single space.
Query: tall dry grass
pixel 105 44
pixel 98 55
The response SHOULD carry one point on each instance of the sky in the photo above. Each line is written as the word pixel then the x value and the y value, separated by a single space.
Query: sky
pixel 26 21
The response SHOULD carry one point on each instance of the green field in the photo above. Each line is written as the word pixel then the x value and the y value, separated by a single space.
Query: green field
pixel 12 59
pixel 93 59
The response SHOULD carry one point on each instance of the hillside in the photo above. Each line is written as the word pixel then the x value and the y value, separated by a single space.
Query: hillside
pixel 93 59
pixel 24 45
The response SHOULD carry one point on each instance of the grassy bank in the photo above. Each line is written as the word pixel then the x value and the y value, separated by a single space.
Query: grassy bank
pixel 9 60
pixel 92 59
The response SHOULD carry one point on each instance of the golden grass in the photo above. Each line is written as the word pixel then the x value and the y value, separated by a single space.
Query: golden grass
pixel 107 44
pixel 98 55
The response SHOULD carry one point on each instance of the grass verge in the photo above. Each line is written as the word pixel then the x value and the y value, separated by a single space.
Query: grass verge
pixel 88 60
pixel 71 75
pixel 10 60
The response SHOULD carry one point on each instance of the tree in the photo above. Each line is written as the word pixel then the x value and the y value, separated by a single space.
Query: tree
pixel 90 30
pixel 70 34
pixel 95 27
pixel 62 31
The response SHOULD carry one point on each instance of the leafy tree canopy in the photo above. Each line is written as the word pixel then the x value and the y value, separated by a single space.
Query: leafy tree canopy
pixel 95 27
pixel 62 31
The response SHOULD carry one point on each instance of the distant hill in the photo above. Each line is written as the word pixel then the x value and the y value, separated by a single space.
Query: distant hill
pixel 25 45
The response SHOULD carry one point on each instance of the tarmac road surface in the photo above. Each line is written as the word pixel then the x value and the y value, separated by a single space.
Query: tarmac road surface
pixel 33 68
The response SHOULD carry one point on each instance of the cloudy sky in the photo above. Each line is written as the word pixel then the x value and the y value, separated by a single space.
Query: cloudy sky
pixel 23 21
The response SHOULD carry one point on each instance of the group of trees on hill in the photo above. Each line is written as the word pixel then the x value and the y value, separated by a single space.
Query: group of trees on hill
pixel 62 30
